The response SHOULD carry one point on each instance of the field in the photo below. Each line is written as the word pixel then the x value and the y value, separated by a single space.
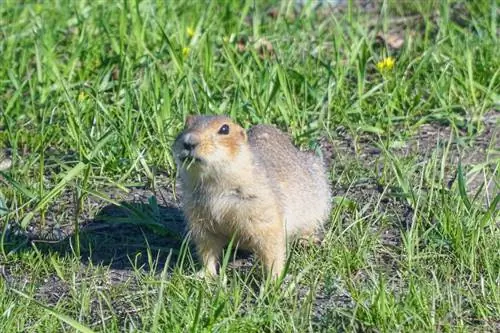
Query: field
pixel 401 98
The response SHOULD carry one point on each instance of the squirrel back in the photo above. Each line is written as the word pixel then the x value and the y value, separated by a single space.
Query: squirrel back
pixel 299 178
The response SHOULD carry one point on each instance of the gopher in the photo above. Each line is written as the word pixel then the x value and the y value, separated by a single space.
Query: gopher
pixel 254 187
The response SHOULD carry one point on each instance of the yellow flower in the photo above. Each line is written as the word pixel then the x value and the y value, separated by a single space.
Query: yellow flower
pixel 185 51
pixel 386 64
pixel 82 96
pixel 38 8
pixel 190 32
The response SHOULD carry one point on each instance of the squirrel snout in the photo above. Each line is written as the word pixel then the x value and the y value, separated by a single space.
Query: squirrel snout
pixel 189 146
pixel 186 147
pixel 189 142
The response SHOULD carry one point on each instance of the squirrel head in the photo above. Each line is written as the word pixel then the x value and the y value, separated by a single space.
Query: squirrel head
pixel 207 142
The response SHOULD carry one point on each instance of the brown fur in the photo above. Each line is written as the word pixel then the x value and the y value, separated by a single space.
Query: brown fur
pixel 256 187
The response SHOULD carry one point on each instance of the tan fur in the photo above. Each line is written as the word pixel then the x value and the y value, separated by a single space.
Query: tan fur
pixel 256 187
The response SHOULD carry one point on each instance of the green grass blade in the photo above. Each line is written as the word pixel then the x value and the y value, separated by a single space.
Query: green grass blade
pixel 462 187
pixel 68 320
pixel 75 171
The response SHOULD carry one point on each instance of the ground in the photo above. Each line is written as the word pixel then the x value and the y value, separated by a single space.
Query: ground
pixel 411 143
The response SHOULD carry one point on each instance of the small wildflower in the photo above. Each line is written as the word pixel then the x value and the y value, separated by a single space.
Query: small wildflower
pixel 386 64
pixel 38 8
pixel 82 96
pixel 190 32
pixel 185 52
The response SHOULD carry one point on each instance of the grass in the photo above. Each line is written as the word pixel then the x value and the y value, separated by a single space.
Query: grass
pixel 92 95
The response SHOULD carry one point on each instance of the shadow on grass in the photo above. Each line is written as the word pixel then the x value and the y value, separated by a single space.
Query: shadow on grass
pixel 130 235
pixel 123 237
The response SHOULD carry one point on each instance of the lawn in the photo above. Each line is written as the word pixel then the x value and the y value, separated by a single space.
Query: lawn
pixel 401 98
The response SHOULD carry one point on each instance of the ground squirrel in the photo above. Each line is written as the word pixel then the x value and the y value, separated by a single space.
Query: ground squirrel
pixel 256 187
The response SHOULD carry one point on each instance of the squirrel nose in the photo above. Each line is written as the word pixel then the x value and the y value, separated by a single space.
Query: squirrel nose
pixel 188 145
pixel 190 142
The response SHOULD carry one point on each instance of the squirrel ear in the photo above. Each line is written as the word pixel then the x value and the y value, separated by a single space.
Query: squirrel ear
pixel 190 120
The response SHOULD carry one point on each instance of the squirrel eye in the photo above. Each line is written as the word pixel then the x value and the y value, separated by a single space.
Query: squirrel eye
pixel 224 130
